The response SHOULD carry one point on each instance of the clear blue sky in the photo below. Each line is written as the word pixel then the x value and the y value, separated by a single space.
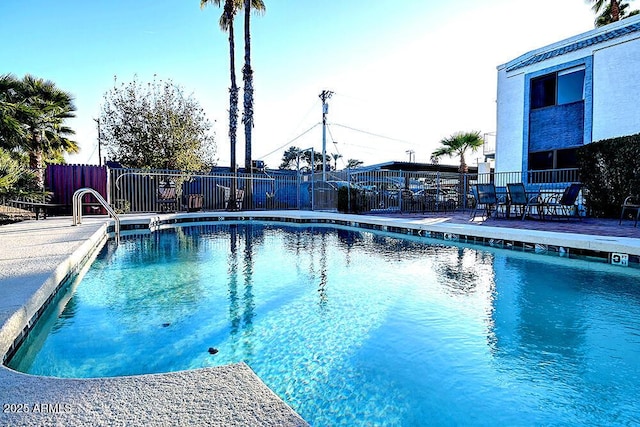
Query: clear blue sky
pixel 415 71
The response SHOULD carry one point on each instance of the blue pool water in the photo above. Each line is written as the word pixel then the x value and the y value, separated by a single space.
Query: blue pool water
pixel 359 328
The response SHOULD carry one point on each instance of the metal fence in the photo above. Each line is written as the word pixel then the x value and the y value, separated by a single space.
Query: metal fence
pixel 377 191
pixel 399 191
pixel 140 190
pixel 535 180
pixel 544 182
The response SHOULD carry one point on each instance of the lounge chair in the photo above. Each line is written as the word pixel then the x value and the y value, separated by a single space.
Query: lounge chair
pixel 487 200
pixel 631 203
pixel 167 197
pixel 565 205
pixel 517 196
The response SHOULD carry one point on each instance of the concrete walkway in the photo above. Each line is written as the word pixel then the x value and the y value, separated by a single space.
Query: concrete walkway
pixel 36 256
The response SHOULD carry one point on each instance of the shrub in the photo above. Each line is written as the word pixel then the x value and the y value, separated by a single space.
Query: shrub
pixel 356 203
pixel 610 171
pixel 16 180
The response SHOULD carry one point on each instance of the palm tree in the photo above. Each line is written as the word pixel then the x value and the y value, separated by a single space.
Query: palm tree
pixel 614 6
pixel 606 17
pixel 11 109
pixel 247 77
pixel 226 24
pixel 41 108
pixel 47 134
pixel 230 9
pixel 9 125
pixel 458 144
pixel 336 156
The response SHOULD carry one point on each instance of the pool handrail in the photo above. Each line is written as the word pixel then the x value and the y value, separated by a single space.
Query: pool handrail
pixel 77 208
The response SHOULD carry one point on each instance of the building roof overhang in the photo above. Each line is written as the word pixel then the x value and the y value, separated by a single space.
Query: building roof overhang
pixel 597 36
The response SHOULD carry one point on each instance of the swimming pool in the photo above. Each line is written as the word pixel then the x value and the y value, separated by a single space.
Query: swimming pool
pixel 353 327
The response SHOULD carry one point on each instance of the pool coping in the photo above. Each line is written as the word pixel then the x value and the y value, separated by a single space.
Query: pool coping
pixel 229 395
pixel 568 245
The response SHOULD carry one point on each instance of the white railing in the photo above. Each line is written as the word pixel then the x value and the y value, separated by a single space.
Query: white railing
pixel 77 208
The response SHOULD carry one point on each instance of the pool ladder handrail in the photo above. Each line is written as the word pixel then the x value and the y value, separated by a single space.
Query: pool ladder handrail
pixel 77 208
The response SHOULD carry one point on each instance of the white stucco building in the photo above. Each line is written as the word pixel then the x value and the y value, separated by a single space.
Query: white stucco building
pixel 557 98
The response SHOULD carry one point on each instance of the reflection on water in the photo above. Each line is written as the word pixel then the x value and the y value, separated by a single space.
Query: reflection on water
pixel 570 329
pixel 359 328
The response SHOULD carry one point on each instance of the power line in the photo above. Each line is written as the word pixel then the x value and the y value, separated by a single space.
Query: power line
pixel 306 115
pixel 92 153
pixel 324 96
pixel 296 127
pixel 335 145
pixel 349 144
pixel 373 134
pixel 289 143
pixel 364 101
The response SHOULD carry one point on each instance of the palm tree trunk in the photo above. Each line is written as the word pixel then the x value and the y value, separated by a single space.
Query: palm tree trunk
pixel 463 164
pixel 233 105
pixel 464 169
pixel 615 11
pixel 36 159
pixel 247 76
pixel 35 163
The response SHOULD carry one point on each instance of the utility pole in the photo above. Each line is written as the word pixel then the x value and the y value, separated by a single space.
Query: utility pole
pixel 99 143
pixel 410 153
pixel 326 94
pixel 313 166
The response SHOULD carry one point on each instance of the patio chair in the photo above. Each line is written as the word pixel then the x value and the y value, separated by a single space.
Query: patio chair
pixel 565 205
pixel 631 203
pixel 487 200
pixel 270 200
pixel 236 203
pixel 194 202
pixel 167 197
pixel 517 196
pixel 239 198
pixel 411 201
pixel 472 201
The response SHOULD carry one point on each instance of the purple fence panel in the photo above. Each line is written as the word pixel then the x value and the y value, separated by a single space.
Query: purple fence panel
pixel 64 180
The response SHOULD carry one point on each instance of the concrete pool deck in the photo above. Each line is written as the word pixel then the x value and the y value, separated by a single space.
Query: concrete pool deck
pixel 36 256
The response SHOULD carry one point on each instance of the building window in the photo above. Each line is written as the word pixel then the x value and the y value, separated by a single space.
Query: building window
pixel 567 159
pixel 541 160
pixel 553 159
pixel 562 87
pixel 543 91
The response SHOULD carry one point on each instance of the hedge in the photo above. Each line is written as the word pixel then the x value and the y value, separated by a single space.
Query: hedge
pixel 610 171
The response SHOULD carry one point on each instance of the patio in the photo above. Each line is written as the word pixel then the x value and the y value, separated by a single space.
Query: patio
pixel 588 226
